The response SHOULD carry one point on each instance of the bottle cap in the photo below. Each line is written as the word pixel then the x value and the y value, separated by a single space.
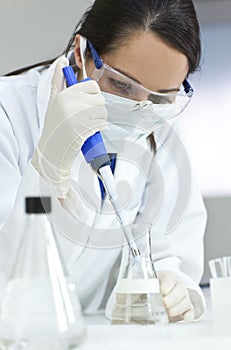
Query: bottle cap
pixel 38 205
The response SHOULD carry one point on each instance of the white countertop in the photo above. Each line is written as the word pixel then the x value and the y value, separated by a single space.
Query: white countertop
pixel 181 336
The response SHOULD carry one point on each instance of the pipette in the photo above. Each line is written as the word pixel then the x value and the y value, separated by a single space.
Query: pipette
pixel 93 148
pixel 95 153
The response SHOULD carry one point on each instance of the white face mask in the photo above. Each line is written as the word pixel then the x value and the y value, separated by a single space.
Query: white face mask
pixel 133 120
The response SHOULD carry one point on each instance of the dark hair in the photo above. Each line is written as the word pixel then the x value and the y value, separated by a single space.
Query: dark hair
pixel 109 23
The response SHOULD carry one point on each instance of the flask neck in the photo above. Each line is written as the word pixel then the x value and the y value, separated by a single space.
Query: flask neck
pixel 137 263
pixel 141 241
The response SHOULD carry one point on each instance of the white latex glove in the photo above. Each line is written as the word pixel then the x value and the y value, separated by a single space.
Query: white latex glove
pixel 73 114
pixel 176 297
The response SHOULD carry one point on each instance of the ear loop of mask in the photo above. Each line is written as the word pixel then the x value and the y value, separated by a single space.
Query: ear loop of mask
pixel 83 47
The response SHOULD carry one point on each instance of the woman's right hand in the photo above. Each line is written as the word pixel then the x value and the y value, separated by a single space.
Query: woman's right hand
pixel 72 116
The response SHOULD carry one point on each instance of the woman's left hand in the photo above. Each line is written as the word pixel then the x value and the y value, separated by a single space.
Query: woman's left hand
pixel 176 297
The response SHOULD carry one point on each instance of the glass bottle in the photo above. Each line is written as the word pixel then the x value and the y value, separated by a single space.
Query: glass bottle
pixel 40 309
pixel 136 297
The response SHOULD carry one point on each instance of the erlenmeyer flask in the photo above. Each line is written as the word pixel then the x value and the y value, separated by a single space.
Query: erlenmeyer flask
pixel 137 297
pixel 40 309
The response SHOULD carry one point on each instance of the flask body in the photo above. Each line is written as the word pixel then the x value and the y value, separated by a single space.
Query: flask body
pixel 137 297
pixel 40 307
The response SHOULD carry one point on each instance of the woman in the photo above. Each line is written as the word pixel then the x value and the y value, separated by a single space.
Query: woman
pixel 138 56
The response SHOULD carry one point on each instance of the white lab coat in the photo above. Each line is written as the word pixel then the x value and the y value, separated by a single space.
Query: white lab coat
pixel 156 189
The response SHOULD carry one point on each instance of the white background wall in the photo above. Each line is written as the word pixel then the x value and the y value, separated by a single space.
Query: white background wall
pixel 31 31
pixel 206 126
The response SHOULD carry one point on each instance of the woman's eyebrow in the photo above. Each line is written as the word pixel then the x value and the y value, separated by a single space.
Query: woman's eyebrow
pixel 168 90
pixel 127 75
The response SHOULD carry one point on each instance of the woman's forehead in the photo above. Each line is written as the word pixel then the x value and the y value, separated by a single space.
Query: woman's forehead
pixel 151 61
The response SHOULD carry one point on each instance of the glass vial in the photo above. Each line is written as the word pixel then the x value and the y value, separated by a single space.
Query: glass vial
pixel 40 309
pixel 137 297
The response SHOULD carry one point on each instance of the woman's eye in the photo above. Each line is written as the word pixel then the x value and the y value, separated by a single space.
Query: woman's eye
pixel 120 86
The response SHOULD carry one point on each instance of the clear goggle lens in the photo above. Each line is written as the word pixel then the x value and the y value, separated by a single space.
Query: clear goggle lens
pixel 116 83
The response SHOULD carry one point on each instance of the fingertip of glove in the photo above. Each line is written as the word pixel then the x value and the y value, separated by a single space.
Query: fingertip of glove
pixel 189 316
pixel 57 82
pixel 166 285
pixel 62 61
pixel 91 86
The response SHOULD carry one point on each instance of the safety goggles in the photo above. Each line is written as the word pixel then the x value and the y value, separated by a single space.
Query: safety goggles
pixel 111 80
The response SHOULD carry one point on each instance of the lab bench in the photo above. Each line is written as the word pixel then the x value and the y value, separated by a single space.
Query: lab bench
pixel 180 336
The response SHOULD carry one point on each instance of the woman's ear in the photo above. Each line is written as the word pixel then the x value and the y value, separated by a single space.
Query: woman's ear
pixel 78 59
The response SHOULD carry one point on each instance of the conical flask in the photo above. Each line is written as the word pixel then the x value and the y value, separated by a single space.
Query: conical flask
pixel 136 297
pixel 40 309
